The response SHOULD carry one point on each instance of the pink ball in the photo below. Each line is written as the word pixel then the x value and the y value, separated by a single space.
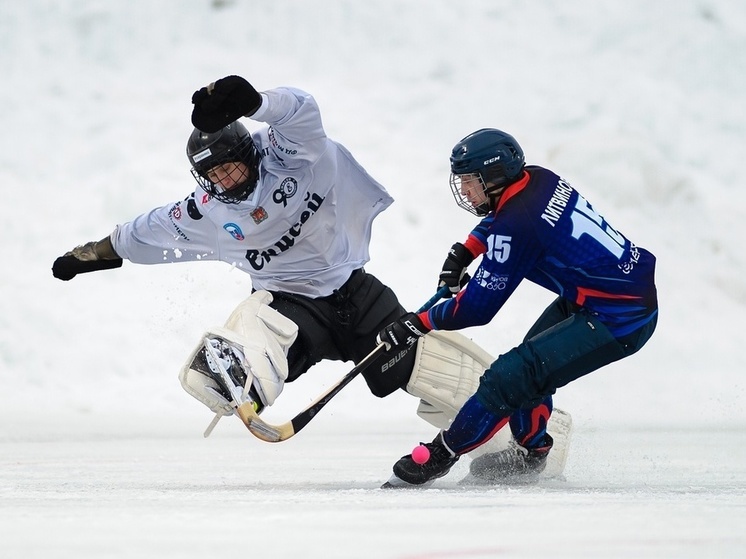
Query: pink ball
pixel 420 454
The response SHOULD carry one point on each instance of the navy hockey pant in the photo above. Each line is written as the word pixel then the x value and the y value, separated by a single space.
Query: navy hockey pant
pixel 565 344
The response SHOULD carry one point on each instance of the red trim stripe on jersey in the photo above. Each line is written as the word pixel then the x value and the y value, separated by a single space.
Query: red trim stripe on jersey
pixel 475 246
pixel 584 293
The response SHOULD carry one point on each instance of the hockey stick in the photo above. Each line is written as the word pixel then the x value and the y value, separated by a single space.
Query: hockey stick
pixel 277 433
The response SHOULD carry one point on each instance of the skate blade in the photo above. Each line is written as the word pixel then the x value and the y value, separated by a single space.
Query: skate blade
pixel 396 483
pixel 517 479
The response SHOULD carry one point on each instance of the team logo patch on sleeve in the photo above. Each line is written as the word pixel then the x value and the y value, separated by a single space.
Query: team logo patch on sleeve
pixel 235 231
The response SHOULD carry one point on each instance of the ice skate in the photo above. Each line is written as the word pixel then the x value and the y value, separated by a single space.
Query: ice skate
pixel 409 474
pixel 515 464
pixel 229 358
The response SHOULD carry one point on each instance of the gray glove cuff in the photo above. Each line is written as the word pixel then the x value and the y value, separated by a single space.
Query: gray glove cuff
pixel 104 249
pixel 95 250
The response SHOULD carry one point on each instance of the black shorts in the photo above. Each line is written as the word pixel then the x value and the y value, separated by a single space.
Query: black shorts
pixel 343 327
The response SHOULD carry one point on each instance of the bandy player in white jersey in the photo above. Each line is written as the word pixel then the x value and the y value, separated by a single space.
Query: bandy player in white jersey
pixel 297 217
pixel 294 210
pixel 290 207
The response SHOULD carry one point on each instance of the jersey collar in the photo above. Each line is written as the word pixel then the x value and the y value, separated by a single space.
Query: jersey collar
pixel 512 190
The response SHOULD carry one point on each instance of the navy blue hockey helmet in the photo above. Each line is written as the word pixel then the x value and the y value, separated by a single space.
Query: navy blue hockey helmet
pixel 492 156
pixel 231 144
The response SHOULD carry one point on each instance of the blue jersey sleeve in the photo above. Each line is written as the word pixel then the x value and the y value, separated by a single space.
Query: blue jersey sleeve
pixel 511 250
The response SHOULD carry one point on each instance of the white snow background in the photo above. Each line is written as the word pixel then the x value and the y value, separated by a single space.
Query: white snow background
pixel 639 104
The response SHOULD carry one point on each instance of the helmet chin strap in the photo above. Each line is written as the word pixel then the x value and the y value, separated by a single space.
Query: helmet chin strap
pixel 493 193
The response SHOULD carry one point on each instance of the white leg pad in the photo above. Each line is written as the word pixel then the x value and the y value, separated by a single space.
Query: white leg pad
pixel 560 428
pixel 263 336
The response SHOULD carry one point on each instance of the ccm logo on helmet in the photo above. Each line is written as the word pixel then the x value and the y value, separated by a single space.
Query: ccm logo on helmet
pixel 491 160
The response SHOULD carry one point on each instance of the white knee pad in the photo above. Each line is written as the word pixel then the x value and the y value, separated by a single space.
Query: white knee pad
pixel 263 337
pixel 446 373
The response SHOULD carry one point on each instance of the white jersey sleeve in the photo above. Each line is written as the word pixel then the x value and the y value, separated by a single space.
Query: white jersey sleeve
pixel 176 232
pixel 296 137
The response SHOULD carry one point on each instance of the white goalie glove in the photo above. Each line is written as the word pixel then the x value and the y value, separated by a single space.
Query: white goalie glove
pixel 251 348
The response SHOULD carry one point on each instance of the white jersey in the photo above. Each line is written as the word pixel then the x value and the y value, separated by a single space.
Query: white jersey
pixel 303 230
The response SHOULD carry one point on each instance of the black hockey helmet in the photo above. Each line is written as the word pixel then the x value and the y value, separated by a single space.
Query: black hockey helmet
pixel 491 155
pixel 231 144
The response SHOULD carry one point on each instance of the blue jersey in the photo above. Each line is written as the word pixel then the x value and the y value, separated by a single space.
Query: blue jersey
pixel 545 231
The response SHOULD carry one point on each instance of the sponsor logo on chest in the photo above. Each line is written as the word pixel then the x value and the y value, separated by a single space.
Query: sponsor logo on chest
pixel 260 258
pixel 288 188
pixel 235 231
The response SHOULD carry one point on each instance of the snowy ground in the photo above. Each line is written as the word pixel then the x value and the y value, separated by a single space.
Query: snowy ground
pixel 638 104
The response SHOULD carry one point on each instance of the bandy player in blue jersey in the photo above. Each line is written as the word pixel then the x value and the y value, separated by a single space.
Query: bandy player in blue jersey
pixel 536 226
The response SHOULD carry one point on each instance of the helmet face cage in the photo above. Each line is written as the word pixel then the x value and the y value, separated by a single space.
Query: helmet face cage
pixel 462 201
pixel 233 144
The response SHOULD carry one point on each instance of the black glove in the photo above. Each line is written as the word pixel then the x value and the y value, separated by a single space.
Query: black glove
pixel 90 257
pixel 223 102
pixel 402 333
pixel 454 268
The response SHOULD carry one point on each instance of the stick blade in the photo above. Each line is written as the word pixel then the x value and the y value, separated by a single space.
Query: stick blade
pixel 262 430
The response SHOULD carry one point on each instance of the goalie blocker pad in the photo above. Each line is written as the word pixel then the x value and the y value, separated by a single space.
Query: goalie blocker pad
pixel 263 337
pixel 446 373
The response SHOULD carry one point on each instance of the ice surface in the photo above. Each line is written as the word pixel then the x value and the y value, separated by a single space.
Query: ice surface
pixel 134 493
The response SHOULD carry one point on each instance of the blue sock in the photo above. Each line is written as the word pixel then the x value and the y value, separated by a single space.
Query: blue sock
pixel 529 426
pixel 474 425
